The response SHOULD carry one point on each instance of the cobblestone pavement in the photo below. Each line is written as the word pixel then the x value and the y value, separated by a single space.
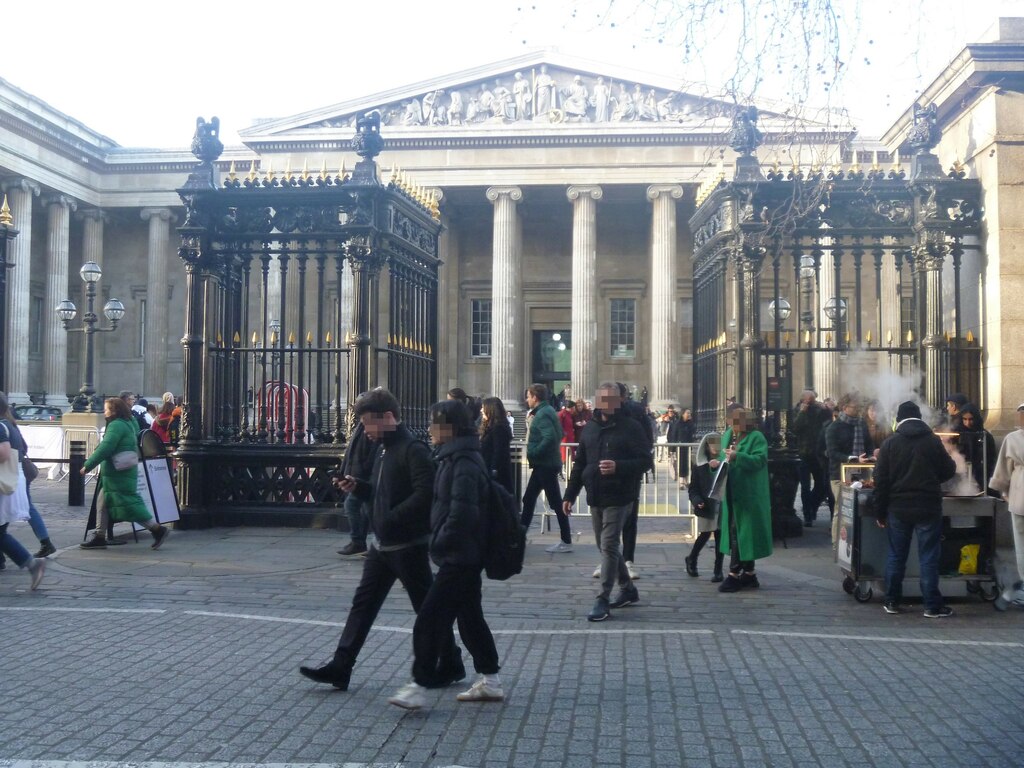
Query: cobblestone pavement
pixel 189 655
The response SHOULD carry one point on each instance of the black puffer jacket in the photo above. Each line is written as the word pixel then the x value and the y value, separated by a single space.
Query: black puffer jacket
pixel 400 489
pixel 496 448
pixel 460 488
pixel 912 466
pixel 619 438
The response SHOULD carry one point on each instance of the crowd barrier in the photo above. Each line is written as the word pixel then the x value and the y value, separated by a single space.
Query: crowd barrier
pixel 663 492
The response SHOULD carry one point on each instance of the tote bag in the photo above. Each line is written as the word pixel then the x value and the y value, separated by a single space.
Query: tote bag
pixel 9 470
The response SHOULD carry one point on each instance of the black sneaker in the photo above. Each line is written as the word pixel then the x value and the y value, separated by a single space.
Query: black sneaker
pixel 626 596
pixel 938 613
pixel 352 549
pixel 691 566
pixel 160 536
pixel 449 675
pixel 328 674
pixel 96 542
pixel 731 584
pixel 45 550
pixel 891 607
pixel 749 581
pixel 600 610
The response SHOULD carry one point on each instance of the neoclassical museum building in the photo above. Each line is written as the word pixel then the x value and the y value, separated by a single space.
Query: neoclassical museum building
pixel 565 189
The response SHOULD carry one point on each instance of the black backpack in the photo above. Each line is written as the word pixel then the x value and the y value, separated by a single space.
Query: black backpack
pixel 505 545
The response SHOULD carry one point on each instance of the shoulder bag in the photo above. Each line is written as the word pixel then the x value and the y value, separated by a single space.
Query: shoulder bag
pixel 9 468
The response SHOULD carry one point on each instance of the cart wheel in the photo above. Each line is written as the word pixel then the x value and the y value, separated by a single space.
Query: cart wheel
pixel 849 585
pixel 862 595
pixel 990 594
pixel 973 588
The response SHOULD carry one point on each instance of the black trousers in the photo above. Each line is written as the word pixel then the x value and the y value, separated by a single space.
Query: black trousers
pixel 546 479
pixel 454 595
pixel 411 566
pixel 629 531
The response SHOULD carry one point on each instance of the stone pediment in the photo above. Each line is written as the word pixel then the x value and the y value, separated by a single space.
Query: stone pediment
pixel 531 92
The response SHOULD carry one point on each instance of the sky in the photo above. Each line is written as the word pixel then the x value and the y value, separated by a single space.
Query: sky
pixel 139 73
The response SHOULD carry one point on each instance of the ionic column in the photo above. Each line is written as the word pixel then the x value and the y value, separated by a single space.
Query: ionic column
pixel 826 368
pixel 446 353
pixel 154 377
pixel 19 197
pixel 934 369
pixel 55 346
pixel 507 298
pixel 663 293
pixel 584 289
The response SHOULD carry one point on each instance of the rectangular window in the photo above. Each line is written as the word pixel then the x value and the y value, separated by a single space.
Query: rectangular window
pixel 142 328
pixel 35 334
pixel 481 344
pixel 623 328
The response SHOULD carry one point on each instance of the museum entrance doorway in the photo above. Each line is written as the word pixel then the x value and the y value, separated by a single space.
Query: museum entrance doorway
pixel 552 353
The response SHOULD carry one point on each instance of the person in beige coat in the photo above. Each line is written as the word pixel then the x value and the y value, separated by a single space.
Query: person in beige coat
pixel 1008 479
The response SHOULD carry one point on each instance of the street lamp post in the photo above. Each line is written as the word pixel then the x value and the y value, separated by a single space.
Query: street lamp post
pixel 66 311
pixel 7 233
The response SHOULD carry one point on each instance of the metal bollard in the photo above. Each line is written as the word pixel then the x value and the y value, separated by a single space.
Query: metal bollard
pixel 76 480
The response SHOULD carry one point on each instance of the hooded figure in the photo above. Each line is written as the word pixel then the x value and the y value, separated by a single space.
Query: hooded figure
pixel 976 445
pixel 954 405
pixel 706 509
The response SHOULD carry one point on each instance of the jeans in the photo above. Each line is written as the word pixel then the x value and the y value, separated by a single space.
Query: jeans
pixel 454 595
pixel 11 547
pixel 411 566
pixel 811 497
pixel 358 519
pixel 546 479
pixel 608 522
pixel 929 546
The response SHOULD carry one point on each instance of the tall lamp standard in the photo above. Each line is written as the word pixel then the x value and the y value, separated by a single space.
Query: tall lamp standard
pixel 66 311
pixel 7 233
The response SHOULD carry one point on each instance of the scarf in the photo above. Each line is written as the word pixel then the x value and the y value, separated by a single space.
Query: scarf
pixel 858 433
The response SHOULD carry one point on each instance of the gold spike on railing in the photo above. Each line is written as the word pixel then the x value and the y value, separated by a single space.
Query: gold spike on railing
pixel 6 219
pixel 252 171
pixel 305 170
pixel 231 172
pixel 323 172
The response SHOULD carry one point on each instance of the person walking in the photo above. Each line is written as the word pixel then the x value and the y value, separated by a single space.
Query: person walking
pixel 9 511
pixel 683 430
pixel 35 520
pixel 496 442
pixel 458 540
pixel 1008 480
pixel 911 468
pixel 358 462
pixel 846 440
pixel 117 497
pixel 746 517
pixel 630 529
pixel 543 442
pixel 807 426
pixel 400 490
pixel 706 509
pixel 613 453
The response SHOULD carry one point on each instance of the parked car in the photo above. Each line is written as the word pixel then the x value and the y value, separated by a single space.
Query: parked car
pixel 37 413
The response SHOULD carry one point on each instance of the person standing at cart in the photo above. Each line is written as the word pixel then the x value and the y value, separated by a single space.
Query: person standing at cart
pixel 1008 480
pixel 912 466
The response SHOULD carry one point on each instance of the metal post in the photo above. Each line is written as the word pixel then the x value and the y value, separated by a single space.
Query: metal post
pixel 76 480
pixel 89 323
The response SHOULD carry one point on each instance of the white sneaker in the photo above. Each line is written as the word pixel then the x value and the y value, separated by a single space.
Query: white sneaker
pixel 37 569
pixel 597 572
pixel 633 573
pixel 559 547
pixel 410 696
pixel 482 690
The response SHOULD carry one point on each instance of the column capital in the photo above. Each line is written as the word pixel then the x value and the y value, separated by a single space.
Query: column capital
pixel 164 214
pixel 657 190
pixel 513 193
pixel 26 185
pixel 62 200
pixel 592 191
pixel 93 214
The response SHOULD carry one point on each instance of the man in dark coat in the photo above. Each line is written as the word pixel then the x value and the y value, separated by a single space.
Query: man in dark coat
pixel 638 413
pixel 543 453
pixel 400 491
pixel 807 425
pixel 912 466
pixel 359 458
pixel 612 456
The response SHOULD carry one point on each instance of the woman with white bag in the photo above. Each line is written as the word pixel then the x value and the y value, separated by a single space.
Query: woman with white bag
pixel 117 455
pixel 14 506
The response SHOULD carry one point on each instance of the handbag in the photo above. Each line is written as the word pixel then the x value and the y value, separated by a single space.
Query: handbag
pixel 125 460
pixel 710 509
pixel 9 469
pixel 30 469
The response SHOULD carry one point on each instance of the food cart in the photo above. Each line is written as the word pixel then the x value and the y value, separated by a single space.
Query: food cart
pixel 968 539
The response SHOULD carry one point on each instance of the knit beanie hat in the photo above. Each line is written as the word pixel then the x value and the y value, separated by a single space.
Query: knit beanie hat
pixel 908 410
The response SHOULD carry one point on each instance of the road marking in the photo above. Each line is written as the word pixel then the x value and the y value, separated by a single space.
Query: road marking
pixel 283 620
pixel 602 631
pixel 875 639
pixel 82 610
pixel 135 764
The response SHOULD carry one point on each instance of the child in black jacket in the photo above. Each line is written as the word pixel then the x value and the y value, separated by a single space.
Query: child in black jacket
pixel 702 475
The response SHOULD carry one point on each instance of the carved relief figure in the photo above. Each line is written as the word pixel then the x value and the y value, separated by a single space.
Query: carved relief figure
pixel 502 106
pixel 485 101
pixel 576 100
pixel 413 114
pixel 544 93
pixel 429 102
pixel 623 109
pixel 601 100
pixel 456 108
pixel 649 107
pixel 523 97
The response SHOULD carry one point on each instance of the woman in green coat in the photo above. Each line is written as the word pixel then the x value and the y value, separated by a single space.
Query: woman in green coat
pixel 118 498
pixel 746 522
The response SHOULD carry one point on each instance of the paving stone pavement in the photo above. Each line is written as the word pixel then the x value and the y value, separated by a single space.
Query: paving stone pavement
pixel 189 656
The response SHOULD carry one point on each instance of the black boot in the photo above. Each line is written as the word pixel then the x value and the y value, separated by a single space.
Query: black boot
pixel 46 548
pixel 691 565
pixel 330 673
pixel 719 557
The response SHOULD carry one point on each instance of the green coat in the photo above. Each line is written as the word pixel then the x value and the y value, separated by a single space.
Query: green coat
pixel 544 439
pixel 120 486
pixel 750 492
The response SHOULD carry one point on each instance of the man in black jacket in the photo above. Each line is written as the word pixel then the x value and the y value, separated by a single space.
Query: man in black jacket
pixel 359 458
pixel 400 491
pixel 612 456
pixel 807 425
pixel 912 466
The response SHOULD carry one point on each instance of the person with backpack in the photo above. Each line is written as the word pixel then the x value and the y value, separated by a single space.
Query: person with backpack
pixel 458 547
pixel 400 488
pixel 612 456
